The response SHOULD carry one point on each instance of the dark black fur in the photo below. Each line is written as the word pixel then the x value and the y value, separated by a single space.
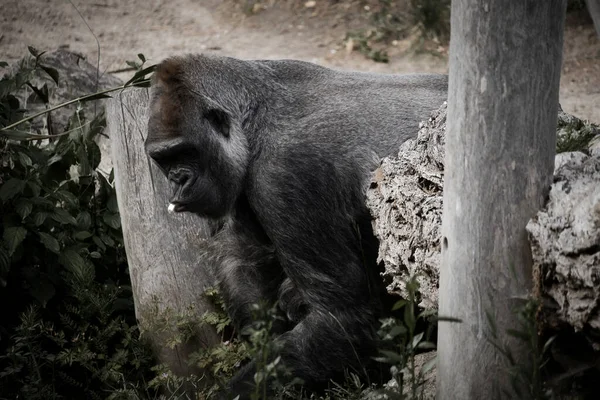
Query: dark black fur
pixel 282 151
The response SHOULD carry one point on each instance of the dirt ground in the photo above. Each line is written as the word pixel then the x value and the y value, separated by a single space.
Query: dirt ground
pixel 285 29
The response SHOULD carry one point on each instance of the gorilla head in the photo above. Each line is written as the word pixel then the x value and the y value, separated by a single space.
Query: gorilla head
pixel 195 136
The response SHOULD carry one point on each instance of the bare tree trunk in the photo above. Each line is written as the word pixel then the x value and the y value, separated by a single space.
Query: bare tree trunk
pixel 505 60
pixel 164 251
pixel 593 7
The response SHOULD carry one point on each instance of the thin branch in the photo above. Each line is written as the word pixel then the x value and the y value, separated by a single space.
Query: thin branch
pixel 83 98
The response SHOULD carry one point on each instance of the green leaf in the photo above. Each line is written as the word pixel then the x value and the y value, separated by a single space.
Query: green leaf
pixel 63 217
pixel 99 243
pixel 52 72
pixel 50 242
pixel 399 304
pixel 84 220
pixel 11 188
pixel 95 254
pixel 107 239
pixel 42 92
pixel 392 357
pixel 112 220
pixel 54 159
pixel 35 188
pixel 20 135
pixel 4 261
pixel 133 64
pixel 67 197
pixel 144 83
pixel 34 52
pixel 24 159
pixel 417 339
pixel 93 154
pixel 23 208
pixel 42 201
pixel 140 75
pixel 95 97
pixel 409 317
pixel 13 237
pixel 141 57
pixel 72 260
pixel 112 203
pixel 426 346
pixel 82 235
pixel 39 218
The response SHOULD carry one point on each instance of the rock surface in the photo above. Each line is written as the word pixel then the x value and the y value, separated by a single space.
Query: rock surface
pixel 565 241
pixel 406 195
pixel 406 200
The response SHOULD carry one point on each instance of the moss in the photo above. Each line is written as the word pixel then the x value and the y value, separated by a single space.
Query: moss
pixel 574 134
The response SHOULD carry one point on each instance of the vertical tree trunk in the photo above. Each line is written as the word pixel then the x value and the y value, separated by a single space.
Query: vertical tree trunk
pixel 505 61
pixel 164 251
pixel 593 7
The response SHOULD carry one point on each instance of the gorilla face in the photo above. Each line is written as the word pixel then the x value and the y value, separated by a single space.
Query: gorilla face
pixel 200 151
pixel 192 187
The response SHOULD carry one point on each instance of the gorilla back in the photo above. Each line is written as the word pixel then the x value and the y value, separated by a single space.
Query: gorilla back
pixel 281 151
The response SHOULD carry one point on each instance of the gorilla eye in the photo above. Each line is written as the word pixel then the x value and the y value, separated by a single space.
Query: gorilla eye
pixel 219 120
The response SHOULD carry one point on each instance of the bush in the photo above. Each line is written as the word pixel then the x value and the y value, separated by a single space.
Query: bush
pixel 68 325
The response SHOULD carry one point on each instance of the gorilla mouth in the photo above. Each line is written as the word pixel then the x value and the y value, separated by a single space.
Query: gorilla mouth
pixel 176 207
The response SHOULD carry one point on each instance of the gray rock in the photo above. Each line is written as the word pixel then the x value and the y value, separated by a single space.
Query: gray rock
pixel 565 241
pixel 406 196
pixel 406 202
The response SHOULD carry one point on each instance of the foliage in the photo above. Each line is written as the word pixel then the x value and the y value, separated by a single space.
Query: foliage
pixel 432 18
pixel 394 20
pixel 400 337
pixel 574 134
pixel 405 342
pixel 219 363
pixel 525 372
pixel 68 328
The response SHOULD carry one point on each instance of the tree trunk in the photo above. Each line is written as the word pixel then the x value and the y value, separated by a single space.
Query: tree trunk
pixel 164 250
pixel 505 60
pixel 593 7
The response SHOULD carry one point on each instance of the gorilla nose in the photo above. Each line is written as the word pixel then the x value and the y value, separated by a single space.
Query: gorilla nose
pixel 180 176
pixel 178 180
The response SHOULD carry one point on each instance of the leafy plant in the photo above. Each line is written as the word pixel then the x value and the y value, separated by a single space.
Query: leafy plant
pixel 574 134
pixel 525 372
pixel 404 343
pixel 68 328
pixel 395 20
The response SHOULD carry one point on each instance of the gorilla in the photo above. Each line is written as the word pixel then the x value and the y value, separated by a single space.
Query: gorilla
pixel 280 152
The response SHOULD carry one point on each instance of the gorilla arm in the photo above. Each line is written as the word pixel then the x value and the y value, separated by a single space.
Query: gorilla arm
pixel 308 208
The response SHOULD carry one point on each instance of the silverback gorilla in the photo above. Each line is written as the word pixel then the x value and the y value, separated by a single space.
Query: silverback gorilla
pixel 281 152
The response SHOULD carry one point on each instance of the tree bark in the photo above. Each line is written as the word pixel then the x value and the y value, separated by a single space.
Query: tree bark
pixel 164 250
pixel 505 60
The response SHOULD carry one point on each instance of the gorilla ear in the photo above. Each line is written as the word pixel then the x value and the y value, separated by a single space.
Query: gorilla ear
pixel 220 121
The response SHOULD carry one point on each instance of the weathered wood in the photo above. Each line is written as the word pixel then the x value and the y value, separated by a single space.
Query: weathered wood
pixel 505 59
pixel 593 7
pixel 164 250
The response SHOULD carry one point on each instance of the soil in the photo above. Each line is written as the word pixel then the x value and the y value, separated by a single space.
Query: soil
pixel 280 29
